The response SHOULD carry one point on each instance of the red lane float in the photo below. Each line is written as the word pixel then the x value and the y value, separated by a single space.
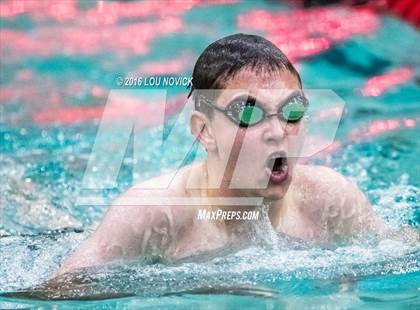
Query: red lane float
pixel 93 30
pixel 58 10
pixel 104 12
pixel 376 85
pixel 302 33
pixel 371 130
pixel 131 39
pixel 379 127
pixel 176 65
pixel 147 114
pixel 406 9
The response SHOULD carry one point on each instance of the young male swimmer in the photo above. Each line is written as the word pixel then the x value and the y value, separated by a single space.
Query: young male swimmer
pixel 258 113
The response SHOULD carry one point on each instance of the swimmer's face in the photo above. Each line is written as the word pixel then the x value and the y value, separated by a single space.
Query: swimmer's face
pixel 252 150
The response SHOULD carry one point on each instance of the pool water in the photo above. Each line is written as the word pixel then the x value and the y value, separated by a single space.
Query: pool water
pixel 52 95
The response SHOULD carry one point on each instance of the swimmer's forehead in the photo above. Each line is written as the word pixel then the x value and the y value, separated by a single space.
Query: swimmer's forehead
pixel 262 96
pixel 269 88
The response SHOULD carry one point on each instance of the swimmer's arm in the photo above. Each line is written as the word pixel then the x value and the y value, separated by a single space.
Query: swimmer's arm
pixel 126 232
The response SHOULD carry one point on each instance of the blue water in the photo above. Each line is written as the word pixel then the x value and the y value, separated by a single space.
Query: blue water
pixel 42 166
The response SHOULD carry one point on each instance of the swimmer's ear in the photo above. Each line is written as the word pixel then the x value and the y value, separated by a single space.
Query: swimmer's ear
pixel 201 129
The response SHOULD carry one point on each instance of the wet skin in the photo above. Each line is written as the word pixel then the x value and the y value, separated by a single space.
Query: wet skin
pixel 313 203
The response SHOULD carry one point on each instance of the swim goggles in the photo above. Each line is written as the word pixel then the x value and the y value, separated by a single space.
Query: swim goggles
pixel 246 111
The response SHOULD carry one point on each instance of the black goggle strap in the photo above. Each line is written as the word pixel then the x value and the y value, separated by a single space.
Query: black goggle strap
pixel 209 103
pixel 190 86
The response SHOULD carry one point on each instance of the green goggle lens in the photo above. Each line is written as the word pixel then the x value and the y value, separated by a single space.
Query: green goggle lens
pixel 250 115
pixel 293 112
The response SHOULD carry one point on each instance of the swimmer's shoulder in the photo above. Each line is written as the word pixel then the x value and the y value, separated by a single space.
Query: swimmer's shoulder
pixel 321 189
pixel 172 182
pixel 332 198
pixel 155 199
pixel 317 178
pixel 138 223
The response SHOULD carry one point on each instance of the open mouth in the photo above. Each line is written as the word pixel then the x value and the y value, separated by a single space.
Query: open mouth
pixel 277 167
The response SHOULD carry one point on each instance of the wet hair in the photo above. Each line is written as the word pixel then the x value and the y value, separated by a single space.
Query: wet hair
pixel 224 58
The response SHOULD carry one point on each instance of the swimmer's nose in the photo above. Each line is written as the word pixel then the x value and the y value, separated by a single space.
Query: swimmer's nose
pixel 274 129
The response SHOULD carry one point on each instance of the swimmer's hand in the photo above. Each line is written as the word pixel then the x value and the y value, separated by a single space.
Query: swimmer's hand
pixel 82 284
pixel 102 283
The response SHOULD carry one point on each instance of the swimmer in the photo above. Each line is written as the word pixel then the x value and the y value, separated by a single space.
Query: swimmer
pixel 257 114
